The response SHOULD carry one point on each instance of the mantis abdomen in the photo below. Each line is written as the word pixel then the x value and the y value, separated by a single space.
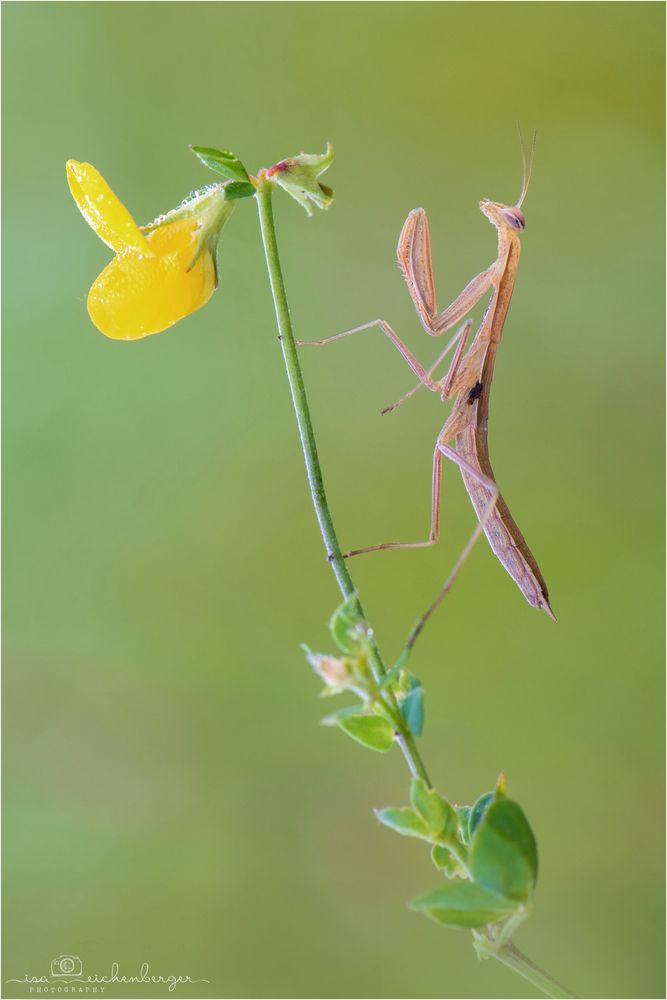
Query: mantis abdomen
pixel 500 528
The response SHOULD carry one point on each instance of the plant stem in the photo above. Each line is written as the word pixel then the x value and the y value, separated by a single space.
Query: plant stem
pixel 508 954
pixel 404 737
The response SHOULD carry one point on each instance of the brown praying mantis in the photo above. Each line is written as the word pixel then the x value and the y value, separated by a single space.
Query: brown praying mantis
pixel 464 435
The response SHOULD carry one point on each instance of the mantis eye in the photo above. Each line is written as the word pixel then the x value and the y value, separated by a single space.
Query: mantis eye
pixel 515 218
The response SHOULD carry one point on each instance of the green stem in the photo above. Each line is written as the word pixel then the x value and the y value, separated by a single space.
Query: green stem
pixel 510 955
pixel 404 738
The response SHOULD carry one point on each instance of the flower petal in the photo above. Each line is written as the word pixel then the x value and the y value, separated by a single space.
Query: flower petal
pixel 138 293
pixel 102 210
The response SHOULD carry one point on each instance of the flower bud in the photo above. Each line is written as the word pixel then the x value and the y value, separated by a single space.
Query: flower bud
pixel 336 673
pixel 298 176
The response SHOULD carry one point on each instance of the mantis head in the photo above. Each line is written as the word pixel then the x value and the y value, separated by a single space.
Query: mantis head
pixel 503 216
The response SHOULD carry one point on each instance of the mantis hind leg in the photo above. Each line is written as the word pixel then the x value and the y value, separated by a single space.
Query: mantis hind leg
pixel 436 498
pixel 458 565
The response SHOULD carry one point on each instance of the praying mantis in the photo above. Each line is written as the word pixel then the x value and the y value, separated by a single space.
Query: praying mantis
pixel 464 436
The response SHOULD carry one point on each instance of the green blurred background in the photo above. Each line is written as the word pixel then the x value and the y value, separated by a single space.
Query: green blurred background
pixel 170 797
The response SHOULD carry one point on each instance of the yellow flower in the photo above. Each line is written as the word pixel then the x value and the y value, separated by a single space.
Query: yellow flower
pixel 158 276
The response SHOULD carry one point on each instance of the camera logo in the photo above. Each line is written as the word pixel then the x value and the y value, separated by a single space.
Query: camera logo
pixel 66 965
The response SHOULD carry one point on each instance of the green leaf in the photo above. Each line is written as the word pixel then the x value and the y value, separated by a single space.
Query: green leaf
pixel 347 627
pixel 371 731
pixel 222 161
pixel 503 855
pixel 436 812
pixel 477 811
pixel 441 857
pixel 501 786
pixel 403 821
pixel 412 710
pixel 463 817
pixel 238 189
pixel 461 904
pixel 447 863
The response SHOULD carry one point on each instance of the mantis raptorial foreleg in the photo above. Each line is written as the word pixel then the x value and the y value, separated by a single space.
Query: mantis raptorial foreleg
pixel 416 263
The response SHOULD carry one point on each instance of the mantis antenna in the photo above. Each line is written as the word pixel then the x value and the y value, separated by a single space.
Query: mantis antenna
pixel 526 174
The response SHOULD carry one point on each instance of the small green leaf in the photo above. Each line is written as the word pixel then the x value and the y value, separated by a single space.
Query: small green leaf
pixel 412 710
pixel 348 629
pixel 501 786
pixel 403 821
pixel 441 857
pixel 238 189
pixel 222 161
pixel 463 816
pixel 461 904
pixel 446 862
pixel 503 855
pixel 371 731
pixel 477 811
pixel 436 812
pixel 420 797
